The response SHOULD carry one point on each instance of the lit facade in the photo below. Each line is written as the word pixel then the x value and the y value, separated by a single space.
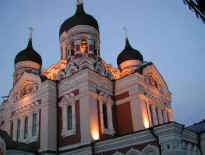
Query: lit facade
pixel 83 106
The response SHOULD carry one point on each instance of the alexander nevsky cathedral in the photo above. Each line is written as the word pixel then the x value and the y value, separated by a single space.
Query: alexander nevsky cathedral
pixel 84 106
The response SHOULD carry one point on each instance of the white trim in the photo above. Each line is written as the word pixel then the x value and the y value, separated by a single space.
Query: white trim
pixel 68 100
pixel 108 101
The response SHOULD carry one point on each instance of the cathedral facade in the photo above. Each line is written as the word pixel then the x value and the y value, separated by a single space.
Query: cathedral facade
pixel 84 106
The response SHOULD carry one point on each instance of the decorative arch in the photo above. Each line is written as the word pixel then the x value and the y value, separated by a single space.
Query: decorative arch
pixel 118 153
pixel 133 152
pixel 151 150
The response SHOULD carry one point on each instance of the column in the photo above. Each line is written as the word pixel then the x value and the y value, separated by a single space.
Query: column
pixel 160 116
pixel 155 117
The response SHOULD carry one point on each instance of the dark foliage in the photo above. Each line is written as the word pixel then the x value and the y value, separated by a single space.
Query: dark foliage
pixel 197 6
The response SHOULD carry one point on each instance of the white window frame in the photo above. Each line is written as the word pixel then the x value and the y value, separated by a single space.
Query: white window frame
pixel 68 100
pixel 35 137
pixel 108 101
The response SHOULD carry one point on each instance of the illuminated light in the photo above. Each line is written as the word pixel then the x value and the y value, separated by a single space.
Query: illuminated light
pixel 146 123
pixel 53 70
pixel 83 46
pixel 95 135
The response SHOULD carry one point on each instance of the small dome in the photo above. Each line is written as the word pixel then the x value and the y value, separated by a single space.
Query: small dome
pixel 79 18
pixel 129 53
pixel 28 54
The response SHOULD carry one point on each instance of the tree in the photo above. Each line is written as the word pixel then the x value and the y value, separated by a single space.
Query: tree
pixel 197 6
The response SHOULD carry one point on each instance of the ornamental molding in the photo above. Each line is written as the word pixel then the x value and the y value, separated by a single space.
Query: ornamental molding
pixel 133 151
pixel 117 153
pixel 151 148
pixel 125 141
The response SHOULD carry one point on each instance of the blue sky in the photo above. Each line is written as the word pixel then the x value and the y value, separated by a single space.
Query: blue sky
pixel 166 33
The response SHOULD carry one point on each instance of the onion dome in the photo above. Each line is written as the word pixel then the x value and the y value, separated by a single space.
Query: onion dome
pixel 28 54
pixel 79 18
pixel 129 53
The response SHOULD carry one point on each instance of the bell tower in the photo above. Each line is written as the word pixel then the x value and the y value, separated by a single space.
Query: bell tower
pixel 79 36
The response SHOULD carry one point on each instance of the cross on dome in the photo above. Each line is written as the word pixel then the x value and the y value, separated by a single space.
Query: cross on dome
pixel 31 29
pixel 126 32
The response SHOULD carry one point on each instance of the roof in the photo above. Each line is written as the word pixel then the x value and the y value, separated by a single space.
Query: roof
pixel 197 127
pixel 28 54
pixel 79 18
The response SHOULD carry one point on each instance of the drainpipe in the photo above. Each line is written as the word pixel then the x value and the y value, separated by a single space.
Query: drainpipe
pixel 57 119
pixel 93 148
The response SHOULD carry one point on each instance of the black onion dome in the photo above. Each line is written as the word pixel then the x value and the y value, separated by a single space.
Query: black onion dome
pixel 79 18
pixel 28 54
pixel 129 53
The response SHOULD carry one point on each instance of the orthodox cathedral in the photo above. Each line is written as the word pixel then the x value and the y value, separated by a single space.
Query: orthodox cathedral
pixel 84 106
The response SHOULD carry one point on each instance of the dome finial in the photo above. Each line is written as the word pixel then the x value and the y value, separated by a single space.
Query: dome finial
pixel 31 29
pixel 126 32
pixel 79 2
pixel 127 44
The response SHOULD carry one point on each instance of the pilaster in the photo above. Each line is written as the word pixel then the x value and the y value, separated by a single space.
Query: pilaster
pixel 48 118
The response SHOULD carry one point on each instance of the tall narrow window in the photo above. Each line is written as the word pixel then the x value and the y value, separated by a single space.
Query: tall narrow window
pixel 151 113
pixel 26 128
pixel 34 124
pixel 168 119
pixel 18 130
pixel 83 46
pixel 11 129
pixel 163 116
pixel 105 121
pixel 69 117
pixel 157 114
pixel 72 48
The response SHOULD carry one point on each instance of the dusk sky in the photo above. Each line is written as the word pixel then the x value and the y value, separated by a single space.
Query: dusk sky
pixel 166 32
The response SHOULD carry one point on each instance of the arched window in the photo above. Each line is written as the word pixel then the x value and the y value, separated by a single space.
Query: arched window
pixel 69 117
pixel 26 128
pixel 133 152
pixel 151 150
pixel 83 46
